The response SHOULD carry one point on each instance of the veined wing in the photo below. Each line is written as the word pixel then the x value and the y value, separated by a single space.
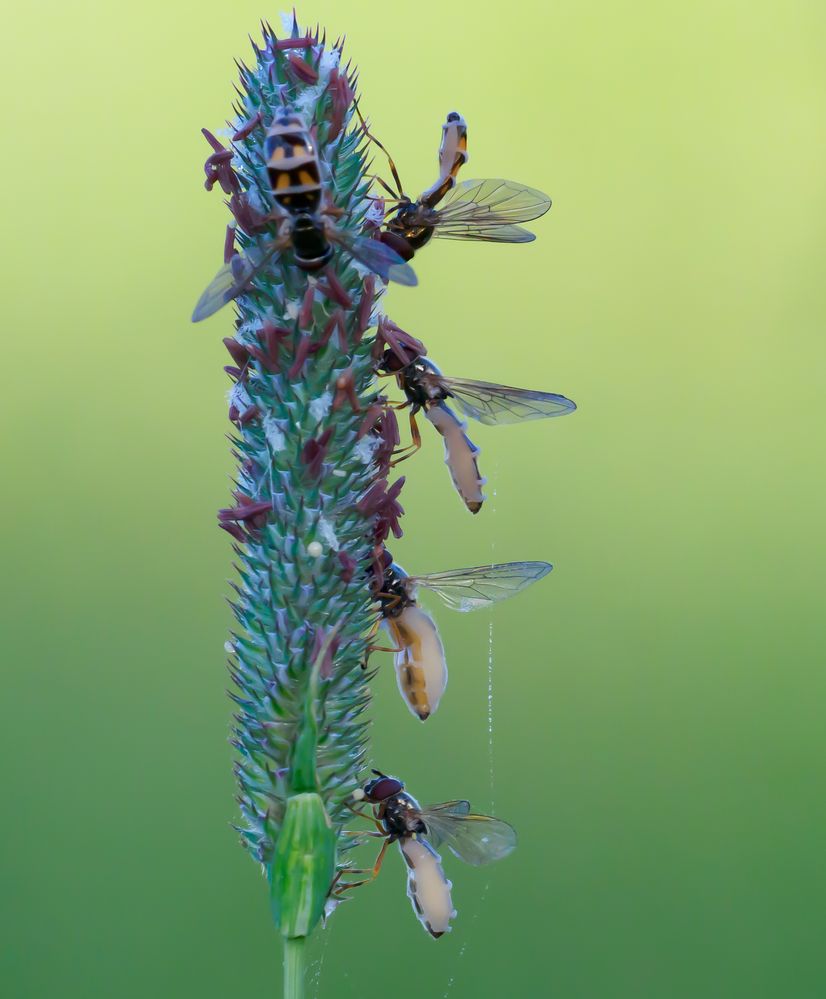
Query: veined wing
pixel 481 586
pixel 379 258
pixel 233 278
pixel 476 839
pixel 497 200
pixel 491 233
pixel 494 404
pixel 489 209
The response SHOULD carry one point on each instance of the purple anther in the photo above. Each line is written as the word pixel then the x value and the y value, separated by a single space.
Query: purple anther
pixel 342 94
pixel 406 347
pixel 302 69
pixel 371 418
pixel 229 244
pixel 303 351
pixel 294 43
pixel 348 566
pixel 237 351
pixel 381 502
pixel 305 314
pixel 248 128
pixel 388 433
pixel 246 511
pixel 365 309
pixel 335 289
pixel 250 413
pixel 314 452
pixel 250 220
pixel 217 146
pixel 232 529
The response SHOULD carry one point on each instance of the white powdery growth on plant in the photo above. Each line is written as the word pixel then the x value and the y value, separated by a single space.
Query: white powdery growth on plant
pixel 365 449
pixel 325 529
pixel 320 406
pixel 238 396
pixel 374 212
pixel 273 433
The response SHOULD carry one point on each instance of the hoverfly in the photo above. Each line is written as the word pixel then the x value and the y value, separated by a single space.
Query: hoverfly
pixel 426 388
pixel 475 209
pixel 419 656
pixel 475 839
pixel 295 179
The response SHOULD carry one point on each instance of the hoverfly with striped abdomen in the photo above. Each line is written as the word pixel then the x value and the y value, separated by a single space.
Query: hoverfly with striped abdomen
pixel 427 389
pixel 486 210
pixel 419 656
pixel 294 172
pixel 475 839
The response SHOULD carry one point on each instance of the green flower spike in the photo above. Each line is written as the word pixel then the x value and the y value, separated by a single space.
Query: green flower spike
pixel 312 504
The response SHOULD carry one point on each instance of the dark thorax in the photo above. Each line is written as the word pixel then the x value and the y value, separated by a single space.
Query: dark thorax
pixel 402 816
pixel 418 384
pixel 394 595
pixel 414 222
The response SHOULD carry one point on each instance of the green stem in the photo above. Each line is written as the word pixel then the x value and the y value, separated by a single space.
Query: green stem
pixel 294 967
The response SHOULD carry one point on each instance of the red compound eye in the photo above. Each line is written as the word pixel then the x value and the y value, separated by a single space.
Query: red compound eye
pixel 382 788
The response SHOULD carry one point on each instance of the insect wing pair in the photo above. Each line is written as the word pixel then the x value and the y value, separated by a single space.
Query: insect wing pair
pixel 480 586
pixel 238 275
pixel 488 210
pixel 419 659
pixel 475 839
pixel 494 405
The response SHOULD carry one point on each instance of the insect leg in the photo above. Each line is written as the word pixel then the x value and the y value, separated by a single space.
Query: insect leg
pixel 411 449
pixel 368 816
pixel 393 598
pixel 373 873
pixel 386 186
pixel 393 170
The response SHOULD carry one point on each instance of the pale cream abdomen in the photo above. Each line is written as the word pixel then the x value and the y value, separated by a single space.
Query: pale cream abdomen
pixel 421 669
pixel 460 455
pixel 427 887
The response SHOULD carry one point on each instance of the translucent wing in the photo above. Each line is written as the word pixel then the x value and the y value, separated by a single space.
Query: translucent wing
pixel 499 201
pixel 485 234
pixel 476 839
pixel 493 404
pixel 234 278
pixel 379 258
pixel 481 586
pixel 488 210
pixel 458 806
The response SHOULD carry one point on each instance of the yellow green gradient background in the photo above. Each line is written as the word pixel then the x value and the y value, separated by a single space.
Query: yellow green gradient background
pixel 658 701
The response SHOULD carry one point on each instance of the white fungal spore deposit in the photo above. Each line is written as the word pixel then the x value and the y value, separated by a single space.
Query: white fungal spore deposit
pixel 320 406
pixel 275 438
pixel 325 529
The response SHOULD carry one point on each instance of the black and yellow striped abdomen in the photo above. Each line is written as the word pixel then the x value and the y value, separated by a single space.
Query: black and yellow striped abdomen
pixel 292 165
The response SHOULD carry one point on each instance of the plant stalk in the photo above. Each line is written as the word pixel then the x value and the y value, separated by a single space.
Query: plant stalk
pixel 294 967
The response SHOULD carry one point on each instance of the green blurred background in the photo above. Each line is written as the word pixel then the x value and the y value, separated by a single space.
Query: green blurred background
pixel 658 701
